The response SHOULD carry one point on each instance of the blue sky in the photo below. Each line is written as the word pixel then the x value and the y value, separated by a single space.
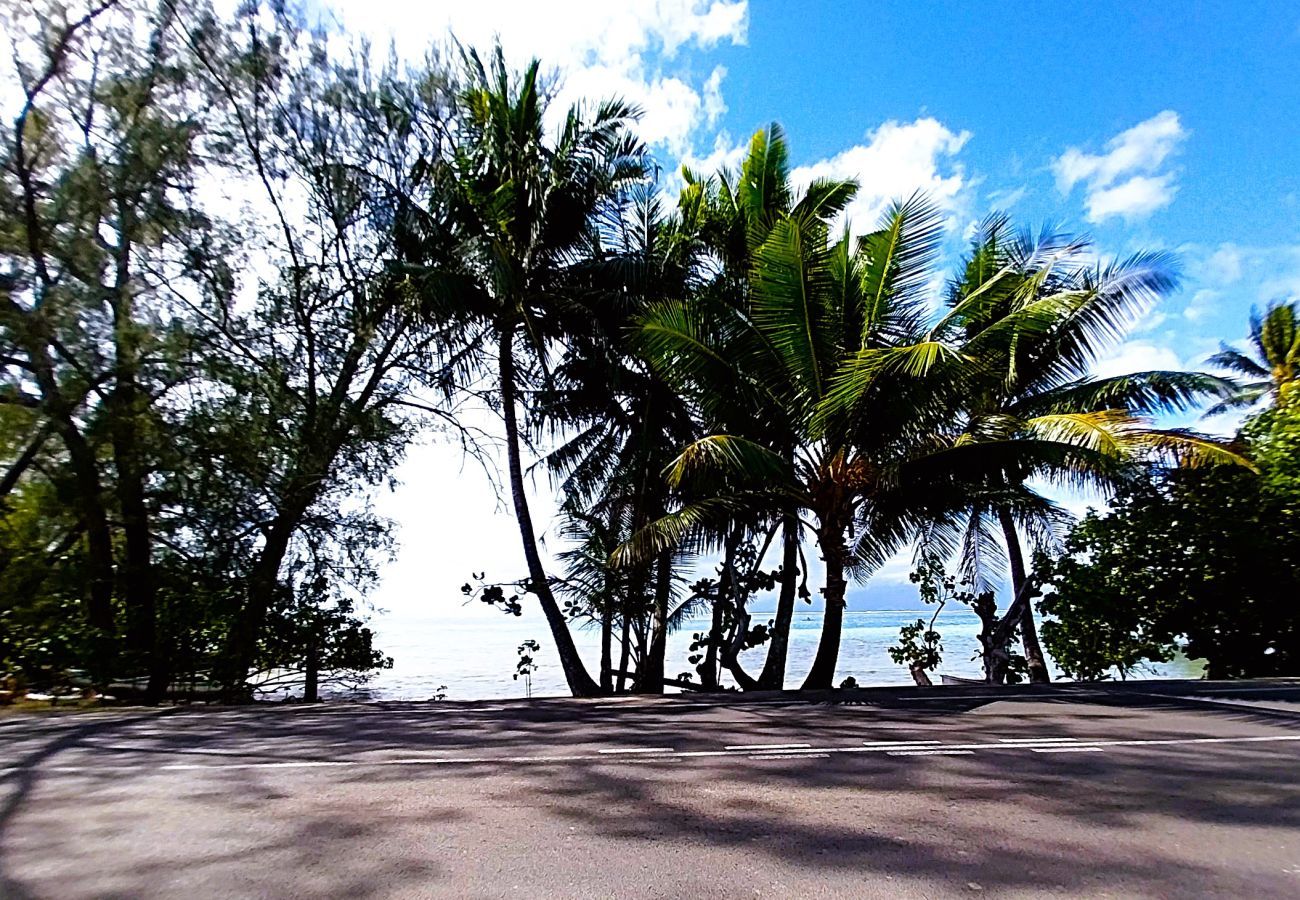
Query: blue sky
pixel 1153 125
pixel 1029 81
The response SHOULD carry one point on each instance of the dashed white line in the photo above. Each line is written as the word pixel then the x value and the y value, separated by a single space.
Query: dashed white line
pixel 899 743
pixel 1082 748
pixel 768 747
pixel 654 754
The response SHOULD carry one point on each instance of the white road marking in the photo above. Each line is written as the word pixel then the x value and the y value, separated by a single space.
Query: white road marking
pixel 898 743
pixel 791 756
pixel 1082 748
pixel 1036 740
pixel 768 747
pixel 636 750
pixel 652 754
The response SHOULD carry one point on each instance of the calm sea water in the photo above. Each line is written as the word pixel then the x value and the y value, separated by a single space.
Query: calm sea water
pixel 473 656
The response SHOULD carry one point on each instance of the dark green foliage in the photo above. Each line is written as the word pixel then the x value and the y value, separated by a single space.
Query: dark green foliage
pixel 1206 559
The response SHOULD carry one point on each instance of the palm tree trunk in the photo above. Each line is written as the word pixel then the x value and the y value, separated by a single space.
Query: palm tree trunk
pixel 625 650
pixel 1038 673
pixel 822 674
pixel 575 673
pixel 652 666
pixel 606 649
pixel 772 678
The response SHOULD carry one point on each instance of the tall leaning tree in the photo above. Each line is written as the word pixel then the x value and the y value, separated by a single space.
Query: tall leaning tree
pixel 524 211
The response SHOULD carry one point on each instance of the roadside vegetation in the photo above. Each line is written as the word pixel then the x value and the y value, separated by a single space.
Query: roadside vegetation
pixel 243 268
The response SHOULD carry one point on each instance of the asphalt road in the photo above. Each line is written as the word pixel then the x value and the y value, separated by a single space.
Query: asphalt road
pixel 1156 789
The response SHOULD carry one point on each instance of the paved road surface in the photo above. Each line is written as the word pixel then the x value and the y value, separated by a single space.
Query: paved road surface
pixel 1162 789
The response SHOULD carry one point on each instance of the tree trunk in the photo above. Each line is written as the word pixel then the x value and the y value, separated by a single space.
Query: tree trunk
pixel 606 649
pixel 652 667
pixel 89 500
pixel 1038 673
pixel 625 650
pixel 708 669
pixel 920 676
pixel 772 678
pixel 575 673
pixel 99 540
pixel 263 579
pixel 822 674
pixel 311 688
pixel 128 406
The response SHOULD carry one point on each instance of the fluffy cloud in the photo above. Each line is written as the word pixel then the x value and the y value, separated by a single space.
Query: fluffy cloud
pixel 1136 356
pixel 600 49
pixel 897 159
pixel 1127 180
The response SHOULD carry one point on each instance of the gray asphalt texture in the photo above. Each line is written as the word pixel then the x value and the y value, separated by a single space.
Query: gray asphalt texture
pixel 1149 789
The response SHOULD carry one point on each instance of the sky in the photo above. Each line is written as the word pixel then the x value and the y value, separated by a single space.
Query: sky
pixel 1160 125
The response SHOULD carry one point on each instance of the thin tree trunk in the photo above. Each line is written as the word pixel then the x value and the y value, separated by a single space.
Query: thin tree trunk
pixel 25 460
pixel 625 651
pixel 822 674
pixel 606 654
pixel 311 688
pixel 652 667
pixel 575 673
pixel 708 669
pixel 1038 673
pixel 772 678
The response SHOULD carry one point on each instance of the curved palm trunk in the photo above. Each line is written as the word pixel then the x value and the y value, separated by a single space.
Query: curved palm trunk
pixel 580 682
pixel 772 678
pixel 1038 673
pixel 822 674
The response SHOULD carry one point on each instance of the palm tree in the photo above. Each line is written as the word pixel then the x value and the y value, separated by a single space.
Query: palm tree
pixel 836 344
pixel 620 423
pixel 733 213
pixel 1275 364
pixel 818 314
pixel 524 213
pixel 1050 376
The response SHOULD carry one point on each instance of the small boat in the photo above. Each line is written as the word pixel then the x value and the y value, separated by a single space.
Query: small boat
pixel 957 679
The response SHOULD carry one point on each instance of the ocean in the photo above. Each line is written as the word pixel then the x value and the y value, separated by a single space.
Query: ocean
pixel 472 655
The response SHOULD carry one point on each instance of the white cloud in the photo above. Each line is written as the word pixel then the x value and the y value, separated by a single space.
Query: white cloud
pixel 898 159
pixel 1203 303
pixel 1126 180
pixel 599 49
pixel 1136 356
pixel 1139 196
pixel 1223 266
pixel 724 155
